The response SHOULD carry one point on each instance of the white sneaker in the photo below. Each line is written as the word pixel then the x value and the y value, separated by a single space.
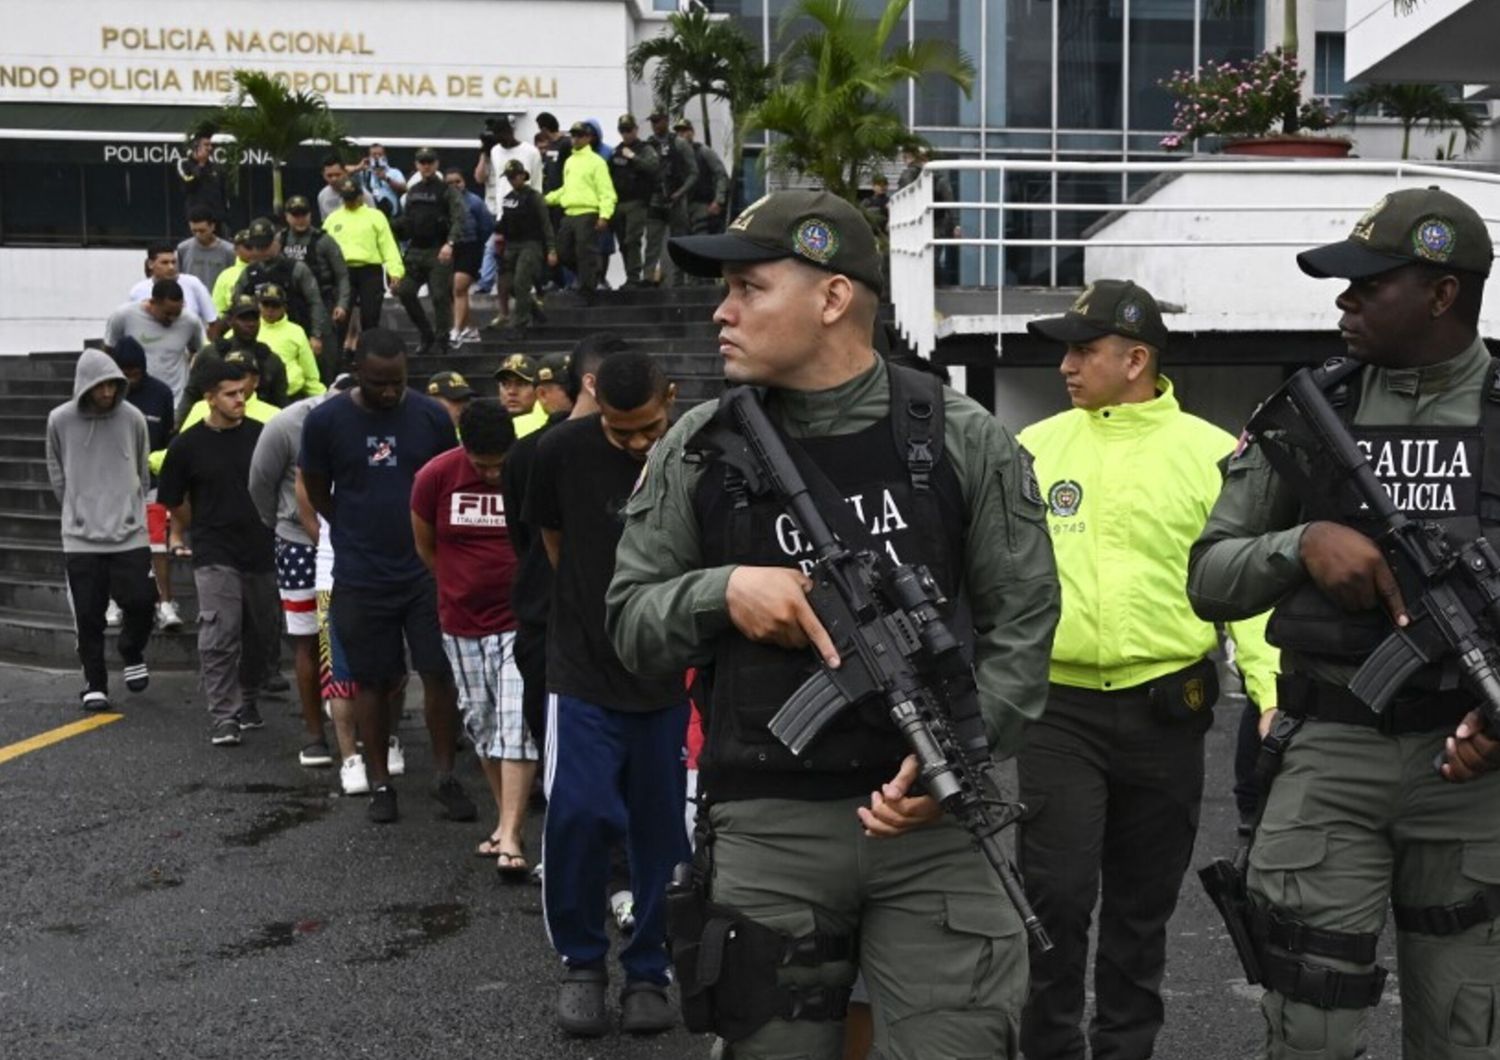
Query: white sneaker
pixel 352 776
pixel 622 905
pixel 395 760
pixel 469 336
pixel 113 616
pixel 168 618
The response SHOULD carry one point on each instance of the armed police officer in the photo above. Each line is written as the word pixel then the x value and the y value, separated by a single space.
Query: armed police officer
pixel 635 168
pixel 304 241
pixel 1113 771
pixel 835 845
pixel 668 212
pixel 271 266
pixel 1358 816
pixel 432 220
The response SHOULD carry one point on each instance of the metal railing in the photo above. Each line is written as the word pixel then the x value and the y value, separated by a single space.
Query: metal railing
pixel 913 244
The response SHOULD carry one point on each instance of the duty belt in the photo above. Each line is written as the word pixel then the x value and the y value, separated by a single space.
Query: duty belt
pixel 1305 697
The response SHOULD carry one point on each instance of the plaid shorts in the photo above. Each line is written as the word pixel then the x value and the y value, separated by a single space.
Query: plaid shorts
pixel 295 568
pixel 489 694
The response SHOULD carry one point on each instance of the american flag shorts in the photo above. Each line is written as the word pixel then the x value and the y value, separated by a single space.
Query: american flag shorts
pixel 296 569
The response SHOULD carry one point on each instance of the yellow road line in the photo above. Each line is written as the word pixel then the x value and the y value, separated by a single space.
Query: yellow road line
pixel 52 736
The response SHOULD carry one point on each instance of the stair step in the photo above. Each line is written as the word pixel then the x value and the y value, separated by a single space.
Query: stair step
pixel 28 497
pixel 39 638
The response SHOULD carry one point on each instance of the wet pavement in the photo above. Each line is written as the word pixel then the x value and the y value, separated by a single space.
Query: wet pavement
pixel 166 898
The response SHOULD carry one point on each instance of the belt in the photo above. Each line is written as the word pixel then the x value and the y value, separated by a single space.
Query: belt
pixel 1305 697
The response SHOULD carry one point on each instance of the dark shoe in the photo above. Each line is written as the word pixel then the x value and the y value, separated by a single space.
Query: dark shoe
pixel 249 717
pixel 516 333
pixel 580 1003
pixel 645 1008
pixel 276 685
pixel 427 347
pixel 95 701
pixel 316 754
pixel 137 677
pixel 382 809
pixel 225 733
pixel 457 806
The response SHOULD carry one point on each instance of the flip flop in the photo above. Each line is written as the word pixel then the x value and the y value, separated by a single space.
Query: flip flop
pixel 511 865
pixel 489 848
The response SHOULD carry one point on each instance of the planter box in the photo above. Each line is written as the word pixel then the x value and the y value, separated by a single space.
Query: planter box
pixel 1289 146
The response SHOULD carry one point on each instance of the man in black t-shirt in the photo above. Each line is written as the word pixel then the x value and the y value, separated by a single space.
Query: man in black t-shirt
pixel 616 739
pixel 205 483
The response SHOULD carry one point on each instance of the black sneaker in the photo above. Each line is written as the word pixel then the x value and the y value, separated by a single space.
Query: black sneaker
pixel 457 806
pixel 276 685
pixel 249 717
pixel 225 733
pixel 382 809
pixel 137 677
pixel 316 754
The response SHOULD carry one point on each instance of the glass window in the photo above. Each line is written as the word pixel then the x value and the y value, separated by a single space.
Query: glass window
pixel 939 101
pixel 1161 44
pixel 125 202
pixel 1020 70
pixel 1090 46
pixel 1328 66
pixel 41 200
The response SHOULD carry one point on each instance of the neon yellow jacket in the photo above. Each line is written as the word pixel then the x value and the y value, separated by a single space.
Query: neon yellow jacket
pixel 289 342
pixel 586 187
pixel 223 290
pixel 364 236
pixel 532 420
pixel 1128 489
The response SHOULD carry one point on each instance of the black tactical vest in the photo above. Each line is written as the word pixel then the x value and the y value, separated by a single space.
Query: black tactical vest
pixel 632 184
pixel 703 187
pixel 282 270
pixel 908 499
pixel 426 213
pixel 673 161
pixel 304 248
pixel 1444 475
pixel 520 222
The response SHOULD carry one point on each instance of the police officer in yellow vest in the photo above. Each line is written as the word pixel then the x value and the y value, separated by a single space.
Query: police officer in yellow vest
pixel 1113 770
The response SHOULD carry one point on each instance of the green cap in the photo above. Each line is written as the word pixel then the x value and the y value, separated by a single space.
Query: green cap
pixel 1425 225
pixel 245 304
pixel 817 227
pixel 243 361
pixel 271 294
pixel 627 121
pixel 260 233
pixel 426 154
pixel 298 204
pixel 1107 307
pixel 450 385
pixel 242 237
pixel 682 122
pixel 515 167
pixel 518 365
pixel 552 368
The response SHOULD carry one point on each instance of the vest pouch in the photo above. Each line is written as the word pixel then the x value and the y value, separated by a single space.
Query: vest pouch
pixel 1307 621
pixel 1186 697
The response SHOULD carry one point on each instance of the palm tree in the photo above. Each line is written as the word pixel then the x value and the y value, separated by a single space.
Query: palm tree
pixel 831 109
pixel 1428 105
pixel 263 115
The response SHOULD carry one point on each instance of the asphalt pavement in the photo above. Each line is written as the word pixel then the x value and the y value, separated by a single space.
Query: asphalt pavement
pixel 166 898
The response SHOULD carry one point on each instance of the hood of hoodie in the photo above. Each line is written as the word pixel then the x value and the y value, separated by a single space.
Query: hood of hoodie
pixel 95 367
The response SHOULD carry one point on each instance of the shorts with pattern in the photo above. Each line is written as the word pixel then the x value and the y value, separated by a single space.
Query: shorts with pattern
pixel 333 672
pixel 489 695
pixel 296 567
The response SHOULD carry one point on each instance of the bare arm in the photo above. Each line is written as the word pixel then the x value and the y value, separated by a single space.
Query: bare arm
pixel 552 542
pixel 306 514
pixel 319 493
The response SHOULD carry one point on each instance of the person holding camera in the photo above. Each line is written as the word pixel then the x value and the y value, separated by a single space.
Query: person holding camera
pixel 385 183
pixel 203 183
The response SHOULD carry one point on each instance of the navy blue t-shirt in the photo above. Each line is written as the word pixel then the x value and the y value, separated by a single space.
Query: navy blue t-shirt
pixel 371 457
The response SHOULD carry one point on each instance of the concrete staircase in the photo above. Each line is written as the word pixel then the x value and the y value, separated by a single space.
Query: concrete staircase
pixel 36 625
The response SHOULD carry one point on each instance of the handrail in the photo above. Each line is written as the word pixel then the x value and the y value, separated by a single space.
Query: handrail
pixel 913 243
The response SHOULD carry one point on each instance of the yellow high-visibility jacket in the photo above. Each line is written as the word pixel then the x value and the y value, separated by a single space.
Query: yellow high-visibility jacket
pixel 364 236
pixel 586 187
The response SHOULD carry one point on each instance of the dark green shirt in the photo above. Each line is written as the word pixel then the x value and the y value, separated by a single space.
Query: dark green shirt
pixel 665 609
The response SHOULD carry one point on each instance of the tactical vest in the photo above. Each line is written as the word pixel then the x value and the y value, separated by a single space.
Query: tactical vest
pixel 631 183
pixel 904 491
pixel 703 187
pixel 519 220
pixel 307 253
pixel 1445 475
pixel 427 213
pixel 673 162
pixel 281 270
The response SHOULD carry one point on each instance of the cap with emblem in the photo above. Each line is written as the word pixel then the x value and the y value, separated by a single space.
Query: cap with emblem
pixel 579 128
pixel 426 154
pixel 259 233
pixel 243 361
pixel 450 385
pixel 1423 225
pixel 682 123
pixel 518 365
pixel 242 238
pixel 348 188
pixel 245 304
pixel 298 204
pixel 1107 307
pixel 552 368
pixel 271 294
pixel 816 227
pixel 516 168
pixel 627 121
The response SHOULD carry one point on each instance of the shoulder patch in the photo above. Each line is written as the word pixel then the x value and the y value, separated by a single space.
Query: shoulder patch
pixel 1031 489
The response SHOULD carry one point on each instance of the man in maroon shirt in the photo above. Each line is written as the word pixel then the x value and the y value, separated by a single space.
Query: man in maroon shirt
pixel 458 520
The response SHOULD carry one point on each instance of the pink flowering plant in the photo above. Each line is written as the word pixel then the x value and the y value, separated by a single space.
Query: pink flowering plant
pixel 1247 99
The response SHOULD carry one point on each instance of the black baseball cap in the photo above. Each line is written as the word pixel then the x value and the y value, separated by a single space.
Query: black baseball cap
pixel 816 227
pixel 682 123
pixel 552 368
pixel 514 166
pixel 519 365
pixel 657 115
pixel 348 188
pixel 1107 307
pixel 271 294
pixel 626 121
pixel 298 204
pixel 580 128
pixel 245 304
pixel 426 154
pixel 1424 225
pixel 450 385
pixel 260 233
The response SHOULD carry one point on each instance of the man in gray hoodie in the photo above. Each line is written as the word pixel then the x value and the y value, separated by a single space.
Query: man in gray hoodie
pixel 97 448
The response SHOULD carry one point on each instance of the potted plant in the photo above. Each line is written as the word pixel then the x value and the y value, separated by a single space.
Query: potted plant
pixel 1254 108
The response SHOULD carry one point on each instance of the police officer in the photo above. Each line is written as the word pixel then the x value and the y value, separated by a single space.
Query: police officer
pixel 710 195
pixel 432 220
pixel 269 266
pixel 1358 817
pixel 587 198
pixel 243 336
pixel 834 845
pixel 524 239
pixel 1113 771
pixel 635 168
pixel 303 241
pixel 668 212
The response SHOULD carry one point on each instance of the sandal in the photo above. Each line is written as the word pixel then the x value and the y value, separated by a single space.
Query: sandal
pixel 489 848
pixel 511 865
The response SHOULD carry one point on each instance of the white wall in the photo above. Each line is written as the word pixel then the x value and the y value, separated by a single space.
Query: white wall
pixel 56 298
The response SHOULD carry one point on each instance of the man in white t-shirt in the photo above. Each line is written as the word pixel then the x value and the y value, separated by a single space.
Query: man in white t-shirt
pixel 490 171
pixel 161 264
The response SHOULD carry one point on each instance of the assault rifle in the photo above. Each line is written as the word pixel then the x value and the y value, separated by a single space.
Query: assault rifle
pixel 893 644
pixel 1457 609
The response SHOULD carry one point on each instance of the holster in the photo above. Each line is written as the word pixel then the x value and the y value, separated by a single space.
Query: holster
pixel 1225 884
pixel 727 965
